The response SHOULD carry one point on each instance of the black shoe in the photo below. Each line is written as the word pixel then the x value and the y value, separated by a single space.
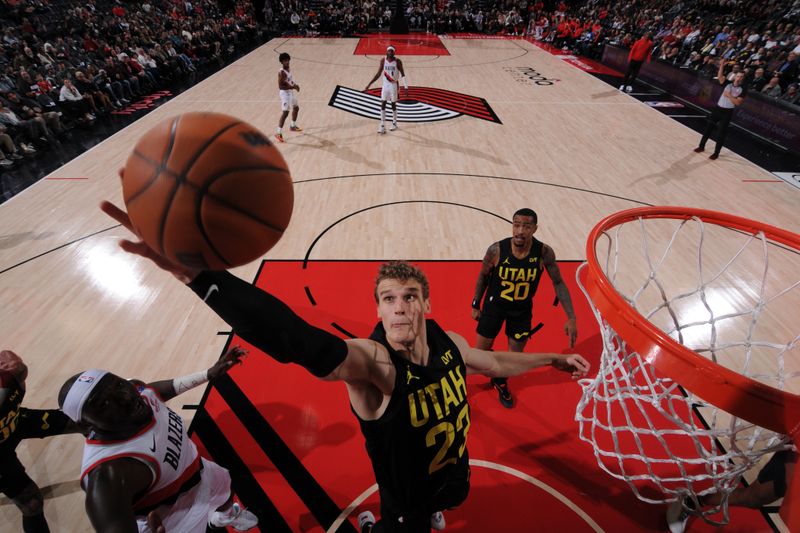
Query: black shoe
pixel 713 156
pixel 503 394
pixel 699 149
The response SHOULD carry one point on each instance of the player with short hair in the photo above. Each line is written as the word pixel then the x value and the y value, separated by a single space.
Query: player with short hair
pixel 16 424
pixel 286 90
pixel 406 383
pixel 390 70
pixel 139 464
pixel 509 276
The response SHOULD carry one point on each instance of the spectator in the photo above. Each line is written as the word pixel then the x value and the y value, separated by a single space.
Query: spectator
pixel 8 152
pixel 791 96
pixel 772 88
pixel 788 70
pixel 640 52
pixel 759 80
pixel 71 98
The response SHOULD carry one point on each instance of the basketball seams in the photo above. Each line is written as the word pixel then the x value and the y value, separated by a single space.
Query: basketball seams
pixel 222 201
pixel 181 180
pixel 159 166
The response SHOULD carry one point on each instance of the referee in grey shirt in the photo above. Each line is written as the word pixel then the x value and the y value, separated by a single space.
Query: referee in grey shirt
pixel 732 95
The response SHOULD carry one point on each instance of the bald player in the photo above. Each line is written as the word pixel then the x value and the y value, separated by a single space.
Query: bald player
pixel 139 464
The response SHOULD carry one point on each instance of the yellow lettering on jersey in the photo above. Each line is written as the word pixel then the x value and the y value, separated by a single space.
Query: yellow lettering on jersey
pixel 447 357
pixel 448 395
pixel 532 274
pixel 458 383
pixel 520 275
pixel 412 407
pixel 431 390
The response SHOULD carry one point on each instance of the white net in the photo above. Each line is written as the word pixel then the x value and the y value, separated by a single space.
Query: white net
pixel 730 297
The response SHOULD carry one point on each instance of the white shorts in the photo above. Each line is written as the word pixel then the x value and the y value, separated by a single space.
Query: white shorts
pixel 193 509
pixel 389 93
pixel 288 100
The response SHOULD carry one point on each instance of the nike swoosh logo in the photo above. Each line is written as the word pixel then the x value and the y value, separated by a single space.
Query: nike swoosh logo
pixel 211 290
pixel 520 335
pixel 153 449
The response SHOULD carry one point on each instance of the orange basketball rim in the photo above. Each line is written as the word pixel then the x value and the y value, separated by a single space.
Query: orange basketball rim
pixel 739 395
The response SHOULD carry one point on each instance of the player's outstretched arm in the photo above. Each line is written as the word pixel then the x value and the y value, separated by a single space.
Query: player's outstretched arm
pixel 507 364
pixel 562 292
pixel 255 315
pixel 169 388
pixel 110 492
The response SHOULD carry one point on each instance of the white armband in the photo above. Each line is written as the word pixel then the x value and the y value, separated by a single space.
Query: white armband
pixel 405 82
pixel 184 383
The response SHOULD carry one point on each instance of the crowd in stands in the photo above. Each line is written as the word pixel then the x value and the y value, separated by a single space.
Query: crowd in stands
pixel 70 63
pixel 64 63
pixel 760 38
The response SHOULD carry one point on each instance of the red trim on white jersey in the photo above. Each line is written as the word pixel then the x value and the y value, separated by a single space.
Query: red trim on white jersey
pixel 146 459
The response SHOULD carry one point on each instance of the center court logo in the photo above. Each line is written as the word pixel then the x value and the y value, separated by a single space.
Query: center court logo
pixel 529 76
pixel 423 104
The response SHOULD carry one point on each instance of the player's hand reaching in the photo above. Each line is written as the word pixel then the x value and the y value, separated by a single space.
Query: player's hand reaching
pixel 226 362
pixel 573 363
pixel 476 315
pixel 571 329
pixel 296 87
pixel 185 275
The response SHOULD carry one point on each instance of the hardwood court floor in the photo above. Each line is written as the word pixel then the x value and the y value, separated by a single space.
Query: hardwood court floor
pixel 574 151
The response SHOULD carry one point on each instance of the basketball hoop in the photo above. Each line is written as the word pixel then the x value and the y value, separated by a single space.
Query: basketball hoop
pixel 696 383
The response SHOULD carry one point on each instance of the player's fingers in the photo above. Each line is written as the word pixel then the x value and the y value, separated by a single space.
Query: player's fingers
pixel 137 248
pixel 116 213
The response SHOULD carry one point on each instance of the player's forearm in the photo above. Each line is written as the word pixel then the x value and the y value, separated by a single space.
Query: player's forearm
pixel 562 292
pixel 480 288
pixel 515 363
pixel 269 324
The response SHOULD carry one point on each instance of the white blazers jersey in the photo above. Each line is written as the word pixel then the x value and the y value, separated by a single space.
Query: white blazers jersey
pixel 288 76
pixel 164 446
pixel 391 74
pixel 288 97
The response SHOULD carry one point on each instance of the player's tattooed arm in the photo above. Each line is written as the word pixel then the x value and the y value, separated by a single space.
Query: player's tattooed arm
pixel 489 262
pixel 562 292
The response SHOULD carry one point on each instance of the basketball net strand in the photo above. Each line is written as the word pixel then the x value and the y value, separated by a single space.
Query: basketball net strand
pixel 664 441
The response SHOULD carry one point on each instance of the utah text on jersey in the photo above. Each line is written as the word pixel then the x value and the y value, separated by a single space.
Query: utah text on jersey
pixel 423 104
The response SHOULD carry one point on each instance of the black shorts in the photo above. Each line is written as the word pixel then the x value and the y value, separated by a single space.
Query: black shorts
pixel 396 518
pixel 31 424
pixel 13 478
pixel 775 471
pixel 518 323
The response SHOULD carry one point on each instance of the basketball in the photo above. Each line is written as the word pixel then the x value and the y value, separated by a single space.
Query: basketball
pixel 207 191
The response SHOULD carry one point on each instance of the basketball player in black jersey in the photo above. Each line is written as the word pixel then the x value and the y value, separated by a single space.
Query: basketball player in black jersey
pixel 509 276
pixel 406 383
pixel 18 423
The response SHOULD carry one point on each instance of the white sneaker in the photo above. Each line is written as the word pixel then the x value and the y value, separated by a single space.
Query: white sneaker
pixel 621 87
pixel 237 517
pixel 393 126
pixel 437 521
pixel 677 516
pixel 382 129
pixel 365 519
pixel 628 89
